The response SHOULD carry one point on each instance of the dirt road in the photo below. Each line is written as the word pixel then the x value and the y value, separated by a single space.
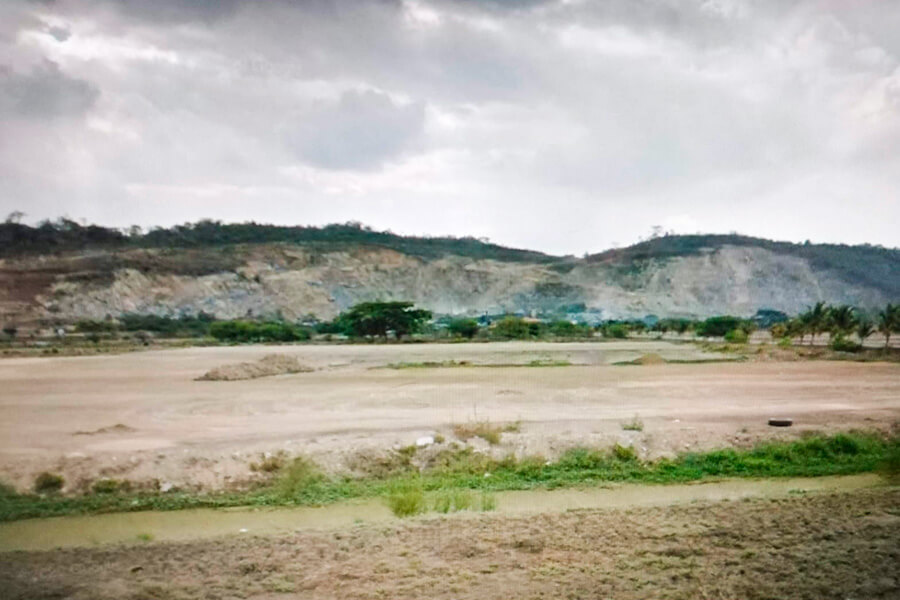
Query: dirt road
pixel 143 416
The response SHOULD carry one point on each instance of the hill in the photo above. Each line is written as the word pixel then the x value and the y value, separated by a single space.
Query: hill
pixel 59 272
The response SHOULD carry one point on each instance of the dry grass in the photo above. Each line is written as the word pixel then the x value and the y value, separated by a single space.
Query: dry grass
pixel 482 429
pixel 273 364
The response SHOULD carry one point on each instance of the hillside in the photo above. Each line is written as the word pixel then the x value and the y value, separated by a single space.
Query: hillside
pixel 64 271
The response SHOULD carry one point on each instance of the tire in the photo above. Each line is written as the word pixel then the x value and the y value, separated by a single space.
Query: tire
pixel 781 422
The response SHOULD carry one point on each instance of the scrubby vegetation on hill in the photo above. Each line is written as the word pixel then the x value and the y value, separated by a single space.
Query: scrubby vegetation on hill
pixel 68 235
pixel 865 264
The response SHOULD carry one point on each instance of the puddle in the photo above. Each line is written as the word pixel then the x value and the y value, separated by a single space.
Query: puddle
pixel 95 530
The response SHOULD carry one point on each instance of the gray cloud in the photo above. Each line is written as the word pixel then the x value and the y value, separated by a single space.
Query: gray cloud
pixel 563 126
pixel 359 131
pixel 45 91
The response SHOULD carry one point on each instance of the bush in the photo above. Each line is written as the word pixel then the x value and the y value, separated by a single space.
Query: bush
pixel 467 328
pixel 297 477
pixel 634 425
pixel 842 344
pixel 252 331
pixel 512 328
pixel 736 336
pixel 48 483
pixel 720 326
pixel 406 500
pixel 567 329
pixel 110 486
pixel 616 331
pixel 484 430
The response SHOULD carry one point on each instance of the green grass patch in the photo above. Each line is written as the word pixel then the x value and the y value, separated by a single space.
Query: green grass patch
pixel 407 491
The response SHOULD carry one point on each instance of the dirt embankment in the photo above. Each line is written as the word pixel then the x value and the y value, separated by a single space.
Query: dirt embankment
pixel 267 366
pixel 831 546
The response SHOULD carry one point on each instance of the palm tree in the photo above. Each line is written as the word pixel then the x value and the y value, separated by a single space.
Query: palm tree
pixel 864 330
pixel 888 322
pixel 815 320
pixel 842 320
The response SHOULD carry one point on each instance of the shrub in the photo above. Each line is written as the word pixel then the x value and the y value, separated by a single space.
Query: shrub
pixel 512 328
pixel 719 326
pixel 624 453
pixel 6 490
pixel 269 463
pixel 406 500
pixel 736 336
pixel 467 328
pixel 616 331
pixel 110 486
pixel 297 477
pixel 842 344
pixel 47 483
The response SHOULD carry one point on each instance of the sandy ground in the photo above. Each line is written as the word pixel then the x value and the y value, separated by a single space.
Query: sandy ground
pixel 142 416
pixel 816 546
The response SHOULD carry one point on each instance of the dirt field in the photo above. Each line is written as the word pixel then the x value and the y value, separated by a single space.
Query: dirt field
pixel 818 546
pixel 142 416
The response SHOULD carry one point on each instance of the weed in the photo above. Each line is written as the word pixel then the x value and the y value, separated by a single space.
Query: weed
pixel 145 537
pixel 406 500
pixel 624 453
pixel 297 477
pixel 484 430
pixel 514 427
pixel 6 490
pixel 439 439
pixel 634 424
pixel 269 463
pixel 48 483
pixel 452 501
pixel 110 486
pixel 488 502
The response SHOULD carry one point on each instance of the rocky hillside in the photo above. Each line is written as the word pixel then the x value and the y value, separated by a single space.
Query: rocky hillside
pixel 261 270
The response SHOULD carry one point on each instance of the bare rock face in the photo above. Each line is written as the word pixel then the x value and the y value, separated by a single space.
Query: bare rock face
pixel 294 281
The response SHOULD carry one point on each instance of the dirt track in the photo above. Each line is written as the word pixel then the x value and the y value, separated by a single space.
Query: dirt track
pixel 62 414
pixel 805 547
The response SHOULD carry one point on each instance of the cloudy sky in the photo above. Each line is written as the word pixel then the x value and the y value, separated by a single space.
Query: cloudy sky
pixel 560 125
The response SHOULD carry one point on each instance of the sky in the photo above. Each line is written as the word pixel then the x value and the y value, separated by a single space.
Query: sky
pixel 564 126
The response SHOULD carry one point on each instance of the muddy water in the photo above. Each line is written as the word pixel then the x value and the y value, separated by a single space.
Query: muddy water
pixel 139 527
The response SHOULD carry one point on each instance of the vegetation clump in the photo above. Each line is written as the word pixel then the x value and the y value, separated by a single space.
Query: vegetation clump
pixel 482 429
pixel 48 483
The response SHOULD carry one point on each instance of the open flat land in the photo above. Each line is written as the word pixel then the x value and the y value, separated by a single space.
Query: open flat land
pixel 143 416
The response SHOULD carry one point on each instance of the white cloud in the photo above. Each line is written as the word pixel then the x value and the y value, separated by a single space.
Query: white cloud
pixel 557 125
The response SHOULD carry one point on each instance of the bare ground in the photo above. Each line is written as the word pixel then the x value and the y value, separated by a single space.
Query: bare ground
pixel 143 417
pixel 836 545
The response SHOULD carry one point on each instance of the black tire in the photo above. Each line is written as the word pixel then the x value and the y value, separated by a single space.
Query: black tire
pixel 781 422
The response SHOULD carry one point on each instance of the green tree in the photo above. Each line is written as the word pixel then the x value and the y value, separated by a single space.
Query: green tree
pixel 377 319
pixel 842 320
pixel 889 322
pixel 466 328
pixel 864 329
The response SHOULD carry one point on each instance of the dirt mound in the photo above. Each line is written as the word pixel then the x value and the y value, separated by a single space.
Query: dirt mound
pixel 650 359
pixel 272 364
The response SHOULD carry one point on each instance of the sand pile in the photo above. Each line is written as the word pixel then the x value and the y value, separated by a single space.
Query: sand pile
pixel 272 364
pixel 650 359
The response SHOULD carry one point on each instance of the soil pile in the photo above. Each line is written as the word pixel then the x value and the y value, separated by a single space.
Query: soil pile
pixel 272 364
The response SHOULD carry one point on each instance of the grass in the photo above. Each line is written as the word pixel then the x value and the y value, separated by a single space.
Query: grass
pixel 302 483
pixel 482 429
pixel 449 364
pixel 635 424
pixel 48 483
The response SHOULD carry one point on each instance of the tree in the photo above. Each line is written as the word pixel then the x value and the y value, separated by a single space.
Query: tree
pixel 818 319
pixel 10 330
pixel 889 322
pixel 467 328
pixel 864 329
pixel 842 320
pixel 370 319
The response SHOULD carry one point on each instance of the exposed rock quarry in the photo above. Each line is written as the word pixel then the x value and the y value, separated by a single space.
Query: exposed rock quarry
pixel 296 280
